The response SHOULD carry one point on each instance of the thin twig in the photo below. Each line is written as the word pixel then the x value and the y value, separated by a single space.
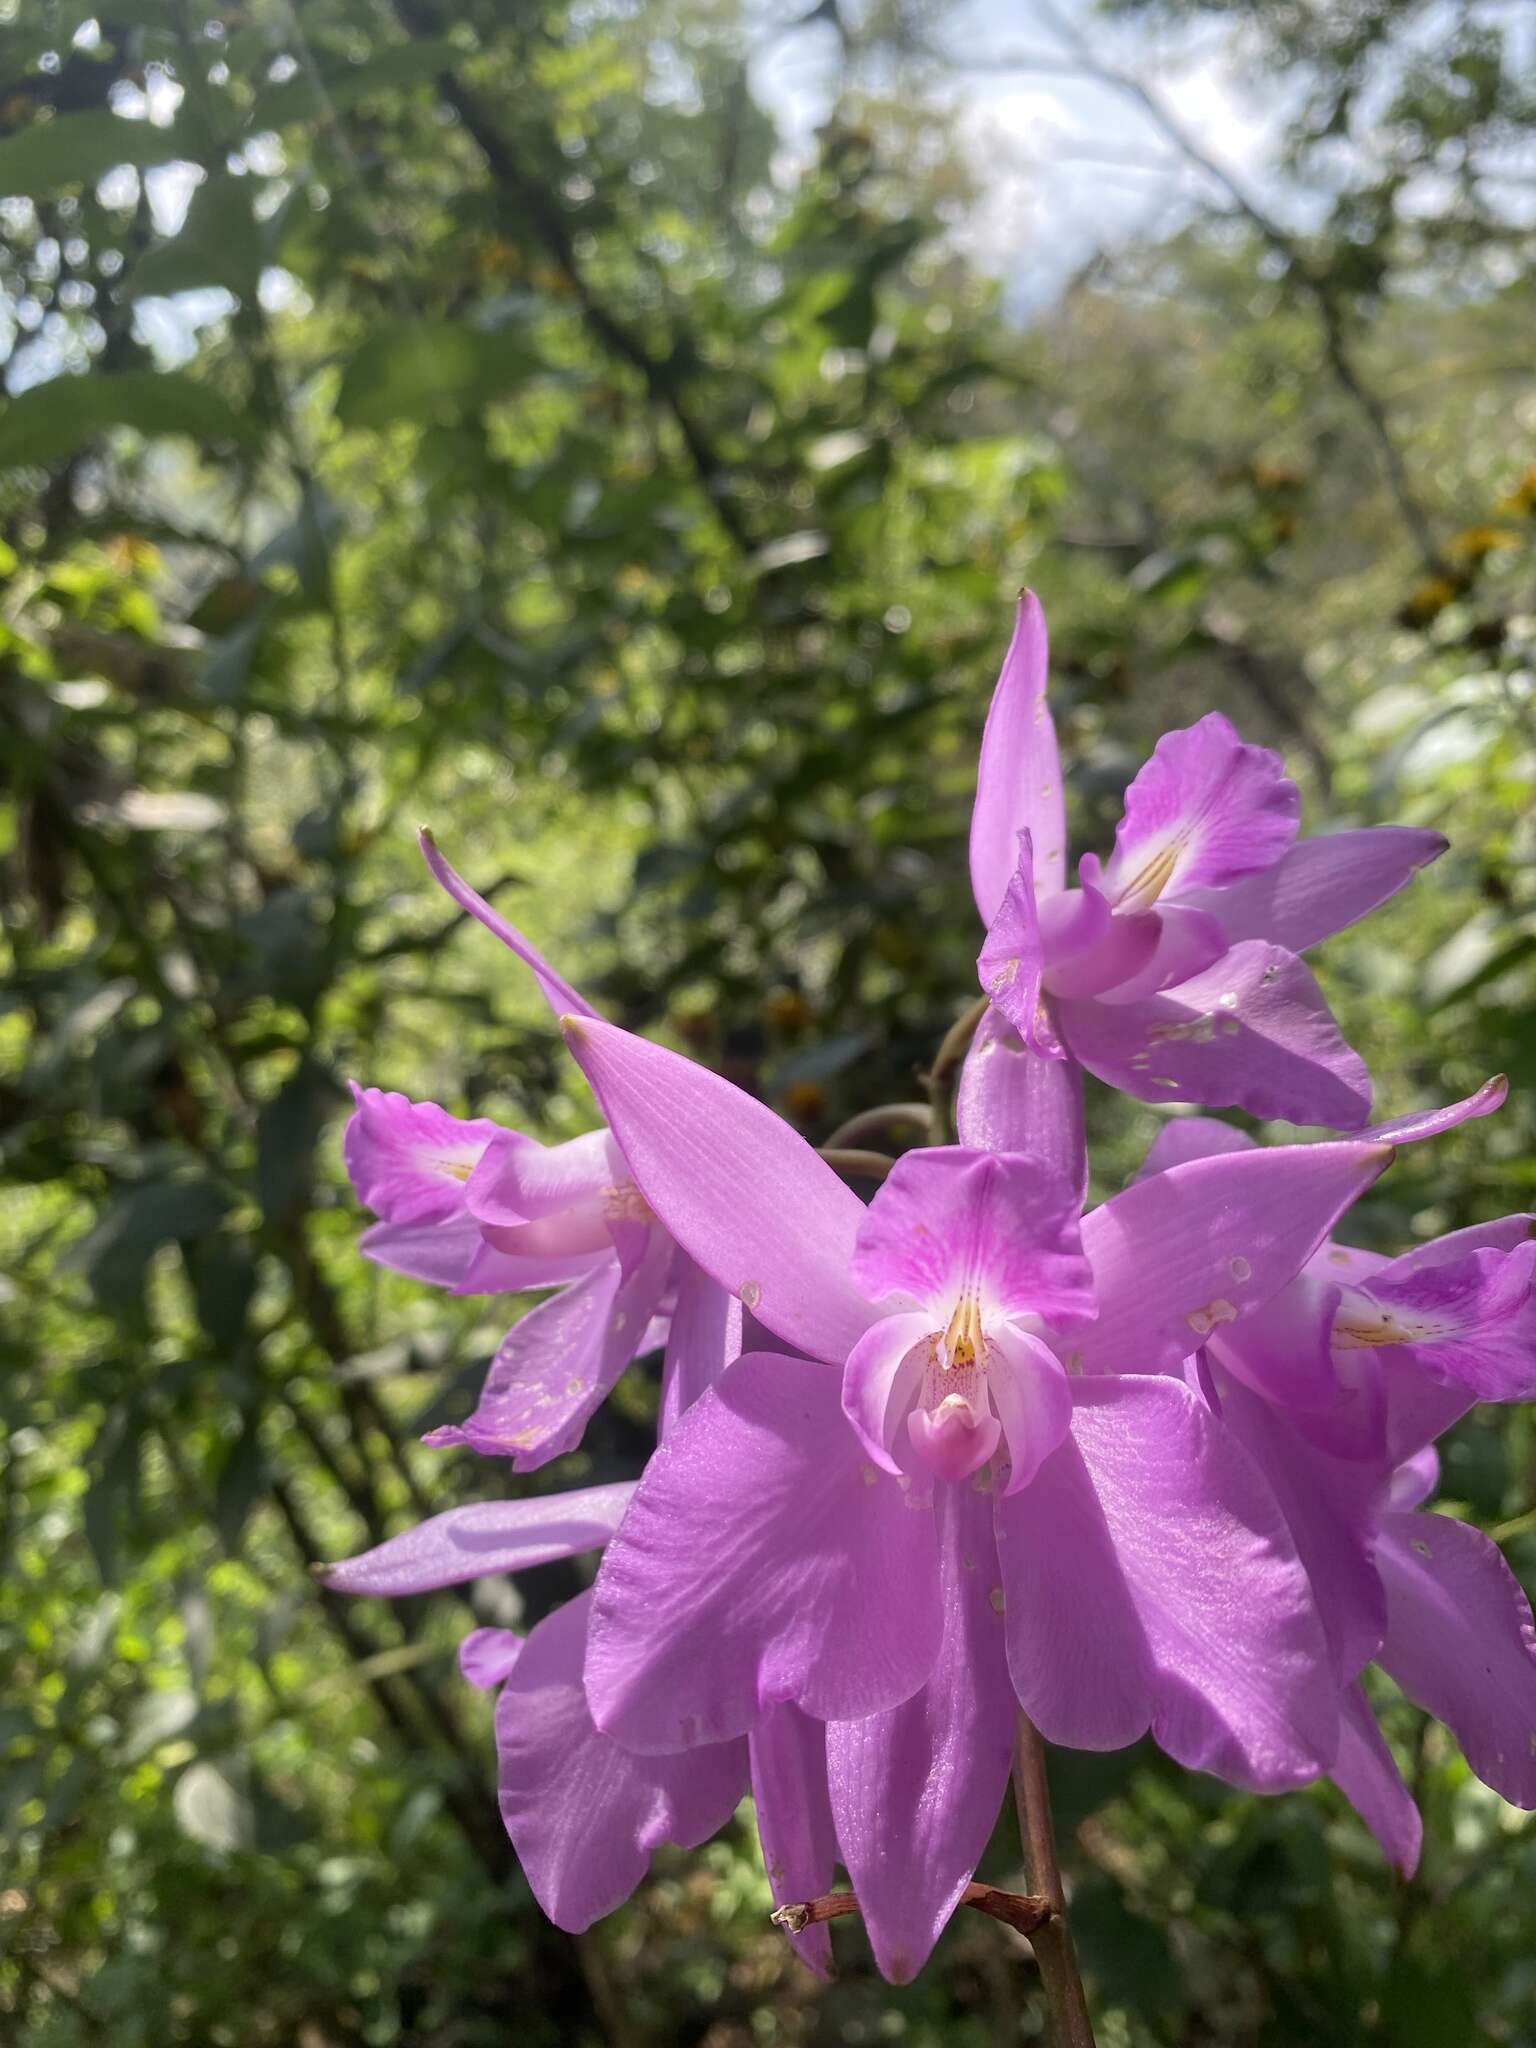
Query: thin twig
pixel 868 1121
pixel 859 1165
pixel 1336 342
pixel 1065 1999
pixel 1020 1910
pixel 942 1077
pixel 537 209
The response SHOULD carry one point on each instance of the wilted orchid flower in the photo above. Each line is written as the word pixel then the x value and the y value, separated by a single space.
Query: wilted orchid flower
pixel 482 1209
pixel 1460 1309
pixel 1170 970
pixel 954 1500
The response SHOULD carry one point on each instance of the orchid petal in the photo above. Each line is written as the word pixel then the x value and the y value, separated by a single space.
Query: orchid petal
pixel 410 1161
pixel 1502 1234
pixel 1198 1137
pixel 881 1381
pixel 741 1192
pixel 1330 1507
pixel 1322 884
pixel 1121 954
pixel 1419 1409
pixel 1010 1101
pixel 1206 810
pixel 788 1752
pixel 1184 1138
pixel 515 1184
pixel 1150 1578
pixel 947 1220
pixel 1187 942
pixel 1252 1032
pixel 1430 1123
pixel 1346 1265
pixel 439 1253
pixel 1284 1348
pixel 1012 961
pixel 492 1271
pixel 487 1655
pixel 1033 1399
pixel 1366 1772
pixel 1077 1649
pixel 1353 1426
pixel 916 1791
pixel 487 1536
pixel 1461 1643
pixel 556 1366
pixel 1471 1320
pixel 584 1815
pixel 763 1560
pixel 1072 923
pixel 554 988
pixel 1415 1479
pixel 1018 778
pixel 1186 1252
pixel 704 1337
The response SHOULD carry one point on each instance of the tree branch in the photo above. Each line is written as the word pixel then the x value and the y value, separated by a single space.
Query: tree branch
pixel 1023 1911
pixel 1336 342
pixel 537 207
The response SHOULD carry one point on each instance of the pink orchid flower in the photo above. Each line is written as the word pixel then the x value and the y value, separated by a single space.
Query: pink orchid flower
pixel 1170 971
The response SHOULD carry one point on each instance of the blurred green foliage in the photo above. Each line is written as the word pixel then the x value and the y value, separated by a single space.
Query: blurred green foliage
pixel 513 435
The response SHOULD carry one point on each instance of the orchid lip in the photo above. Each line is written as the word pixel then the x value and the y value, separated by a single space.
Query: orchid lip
pixel 1151 879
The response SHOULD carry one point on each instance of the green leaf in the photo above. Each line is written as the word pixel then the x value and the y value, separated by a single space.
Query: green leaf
pixel 114 1486
pixel 286 1135
pixel 77 149
pixel 114 1254
pixel 424 369
pixel 302 98
pixel 239 1486
pixel 223 1277
pixel 51 421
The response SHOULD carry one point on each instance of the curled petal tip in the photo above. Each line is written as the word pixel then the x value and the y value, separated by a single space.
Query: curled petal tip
pixel 424 838
pixel 570 1029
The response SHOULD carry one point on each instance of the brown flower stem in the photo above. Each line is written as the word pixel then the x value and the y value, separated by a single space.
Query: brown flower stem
pixel 943 1076
pixel 1052 1939
pixel 889 1114
pixel 1016 1909
pixel 858 1165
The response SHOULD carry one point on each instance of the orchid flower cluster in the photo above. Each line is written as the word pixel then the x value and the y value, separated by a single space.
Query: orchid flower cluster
pixel 966 1452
